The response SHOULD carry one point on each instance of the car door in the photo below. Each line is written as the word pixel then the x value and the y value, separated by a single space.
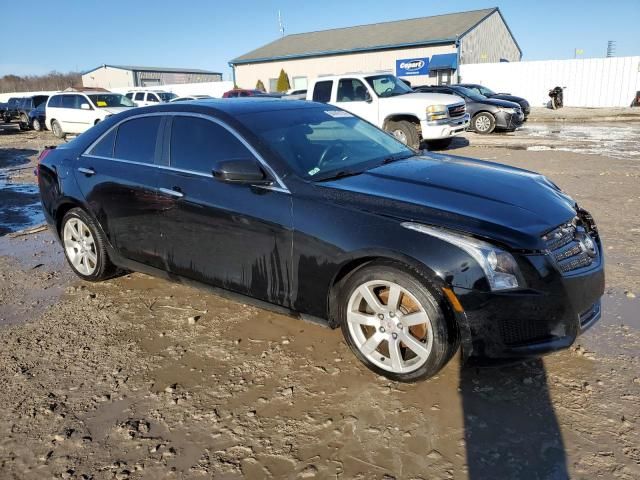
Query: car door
pixel 138 99
pixel 118 178
pixel 234 236
pixel 152 99
pixel 354 96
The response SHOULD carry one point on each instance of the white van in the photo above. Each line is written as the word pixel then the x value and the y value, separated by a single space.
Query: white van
pixel 76 112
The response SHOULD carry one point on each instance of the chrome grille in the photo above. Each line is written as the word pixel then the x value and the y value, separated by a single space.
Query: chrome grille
pixel 457 110
pixel 571 246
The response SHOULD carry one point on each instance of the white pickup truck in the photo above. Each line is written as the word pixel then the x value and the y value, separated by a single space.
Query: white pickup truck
pixel 389 103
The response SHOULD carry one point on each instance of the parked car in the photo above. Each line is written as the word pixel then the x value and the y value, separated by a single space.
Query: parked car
pixel 26 105
pixel 190 97
pixel 143 98
pixel 242 92
pixel 296 94
pixel 76 112
pixel 307 206
pixel 487 92
pixel 389 103
pixel 10 112
pixel 37 117
pixel 487 114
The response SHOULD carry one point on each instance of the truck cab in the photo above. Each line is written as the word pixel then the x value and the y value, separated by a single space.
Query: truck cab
pixel 387 102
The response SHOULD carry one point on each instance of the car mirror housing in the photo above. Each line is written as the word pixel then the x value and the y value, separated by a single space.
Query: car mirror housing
pixel 368 98
pixel 244 170
pixel 85 106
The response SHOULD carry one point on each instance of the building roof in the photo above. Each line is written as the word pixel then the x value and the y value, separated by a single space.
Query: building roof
pixel 378 36
pixel 138 68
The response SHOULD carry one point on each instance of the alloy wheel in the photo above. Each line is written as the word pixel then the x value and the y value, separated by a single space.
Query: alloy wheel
pixel 80 246
pixel 389 326
pixel 482 123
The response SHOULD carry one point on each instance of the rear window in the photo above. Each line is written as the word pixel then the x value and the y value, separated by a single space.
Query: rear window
pixel 104 148
pixel 322 91
pixel 196 144
pixel 136 139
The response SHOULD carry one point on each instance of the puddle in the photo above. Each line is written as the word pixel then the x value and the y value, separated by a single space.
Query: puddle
pixel 613 140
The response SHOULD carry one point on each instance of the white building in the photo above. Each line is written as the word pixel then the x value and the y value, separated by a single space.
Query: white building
pixel 126 76
pixel 423 50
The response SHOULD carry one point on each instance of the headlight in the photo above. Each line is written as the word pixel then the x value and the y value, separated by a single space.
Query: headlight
pixel 510 110
pixel 436 112
pixel 499 266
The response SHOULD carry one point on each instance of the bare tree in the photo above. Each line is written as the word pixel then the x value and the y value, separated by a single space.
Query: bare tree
pixel 34 83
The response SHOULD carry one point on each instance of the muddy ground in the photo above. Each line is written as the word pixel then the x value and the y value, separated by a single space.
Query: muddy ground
pixel 141 378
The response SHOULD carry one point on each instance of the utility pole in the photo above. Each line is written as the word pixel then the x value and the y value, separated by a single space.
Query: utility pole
pixel 611 48
pixel 280 24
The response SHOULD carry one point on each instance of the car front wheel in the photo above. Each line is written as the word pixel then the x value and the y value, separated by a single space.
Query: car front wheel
pixel 484 123
pixel 394 323
pixel 406 132
pixel 37 126
pixel 57 129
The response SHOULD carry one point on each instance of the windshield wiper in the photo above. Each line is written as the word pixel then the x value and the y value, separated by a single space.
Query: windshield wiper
pixel 395 158
pixel 340 174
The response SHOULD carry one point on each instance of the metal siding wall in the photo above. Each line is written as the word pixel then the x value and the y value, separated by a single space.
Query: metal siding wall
pixel 489 42
pixel 247 75
pixel 593 82
pixel 171 78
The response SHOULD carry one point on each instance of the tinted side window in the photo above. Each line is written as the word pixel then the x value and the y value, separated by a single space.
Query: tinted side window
pixel 68 101
pixel 322 91
pixel 129 95
pixel 351 90
pixel 196 144
pixel 139 96
pixel 136 139
pixel 104 148
pixel 151 97
pixel 55 101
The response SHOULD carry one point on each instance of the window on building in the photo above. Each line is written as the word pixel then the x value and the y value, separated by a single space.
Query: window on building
pixel 299 83
pixel 322 91
pixel 196 144
pixel 273 85
pixel 136 139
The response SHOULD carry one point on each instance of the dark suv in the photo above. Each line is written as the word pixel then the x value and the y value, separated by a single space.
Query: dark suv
pixel 10 111
pixel 311 208
pixel 19 109
pixel 487 114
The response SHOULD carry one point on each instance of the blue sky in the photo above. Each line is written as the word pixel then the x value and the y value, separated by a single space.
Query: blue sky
pixel 79 35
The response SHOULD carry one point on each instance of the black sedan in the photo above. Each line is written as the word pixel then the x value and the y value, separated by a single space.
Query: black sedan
pixel 311 208
pixel 487 92
pixel 486 114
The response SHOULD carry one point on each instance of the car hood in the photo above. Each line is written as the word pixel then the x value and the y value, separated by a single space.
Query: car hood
pixel 114 110
pixel 427 98
pixel 509 98
pixel 498 103
pixel 505 204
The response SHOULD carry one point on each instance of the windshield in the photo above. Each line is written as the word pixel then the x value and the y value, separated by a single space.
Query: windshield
pixel 487 92
pixel 102 100
pixel 166 96
pixel 388 85
pixel 323 143
pixel 469 93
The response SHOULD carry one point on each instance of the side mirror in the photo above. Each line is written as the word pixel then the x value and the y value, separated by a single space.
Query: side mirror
pixel 85 106
pixel 367 97
pixel 244 170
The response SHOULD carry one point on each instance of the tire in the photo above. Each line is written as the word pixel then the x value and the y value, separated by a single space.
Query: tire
pixel 24 122
pixel 406 132
pixel 421 349
pixel 439 144
pixel 57 129
pixel 37 126
pixel 483 123
pixel 85 247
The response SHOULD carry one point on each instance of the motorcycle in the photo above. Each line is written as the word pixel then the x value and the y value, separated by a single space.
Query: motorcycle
pixel 556 95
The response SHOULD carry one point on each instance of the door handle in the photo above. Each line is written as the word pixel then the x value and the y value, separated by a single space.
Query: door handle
pixel 171 192
pixel 87 171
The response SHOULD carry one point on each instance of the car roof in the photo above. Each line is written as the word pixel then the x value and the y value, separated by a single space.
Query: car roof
pixel 86 92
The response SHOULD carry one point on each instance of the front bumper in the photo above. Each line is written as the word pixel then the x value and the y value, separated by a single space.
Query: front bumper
pixel 444 128
pixel 509 121
pixel 545 317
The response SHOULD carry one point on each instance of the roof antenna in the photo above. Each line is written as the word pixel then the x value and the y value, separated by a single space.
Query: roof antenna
pixel 280 24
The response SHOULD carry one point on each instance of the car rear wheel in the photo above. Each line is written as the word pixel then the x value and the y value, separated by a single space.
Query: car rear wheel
pixel 57 129
pixel 85 247
pixel 484 123
pixel 394 324
pixel 406 132
pixel 24 122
